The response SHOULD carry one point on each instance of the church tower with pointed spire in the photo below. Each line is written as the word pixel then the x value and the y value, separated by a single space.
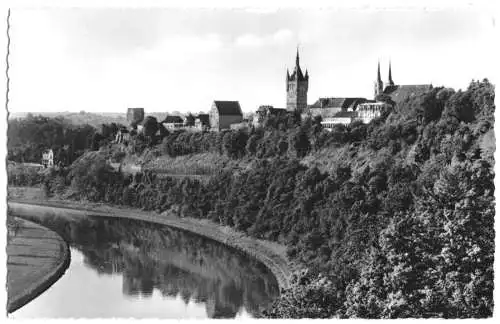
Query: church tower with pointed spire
pixel 297 85
pixel 379 85
pixel 390 83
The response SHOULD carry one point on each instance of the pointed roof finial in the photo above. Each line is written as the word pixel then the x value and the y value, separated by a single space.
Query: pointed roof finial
pixel 297 57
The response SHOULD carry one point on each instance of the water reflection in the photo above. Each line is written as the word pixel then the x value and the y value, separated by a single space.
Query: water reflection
pixel 177 264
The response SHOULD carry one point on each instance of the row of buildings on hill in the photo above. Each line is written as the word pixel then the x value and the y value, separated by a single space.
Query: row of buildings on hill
pixel 332 110
pixel 341 110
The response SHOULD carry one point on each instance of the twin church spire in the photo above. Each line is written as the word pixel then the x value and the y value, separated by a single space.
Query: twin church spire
pixel 379 85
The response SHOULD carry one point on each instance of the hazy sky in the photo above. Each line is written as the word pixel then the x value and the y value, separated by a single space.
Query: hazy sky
pixel 105 60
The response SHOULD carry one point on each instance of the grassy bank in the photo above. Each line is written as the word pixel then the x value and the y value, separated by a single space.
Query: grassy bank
pixel 29 274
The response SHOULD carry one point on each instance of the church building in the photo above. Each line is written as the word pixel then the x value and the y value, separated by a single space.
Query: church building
pixel 397 93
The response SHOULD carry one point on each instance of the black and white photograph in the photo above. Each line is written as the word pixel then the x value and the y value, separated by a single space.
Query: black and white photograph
pixel 249 161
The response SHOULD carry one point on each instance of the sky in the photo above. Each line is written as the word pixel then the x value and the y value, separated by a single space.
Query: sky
pixel 165 60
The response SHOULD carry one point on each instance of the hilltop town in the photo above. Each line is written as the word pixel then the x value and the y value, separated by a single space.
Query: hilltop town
pixel 224 115
pixel 331 110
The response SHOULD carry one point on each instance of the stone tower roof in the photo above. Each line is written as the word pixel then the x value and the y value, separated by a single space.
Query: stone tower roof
pixel 297 71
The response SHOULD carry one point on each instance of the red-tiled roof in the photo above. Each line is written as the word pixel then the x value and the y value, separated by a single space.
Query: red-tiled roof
pixel 228 108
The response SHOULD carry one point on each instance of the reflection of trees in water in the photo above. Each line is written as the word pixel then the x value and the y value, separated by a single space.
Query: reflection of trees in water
pixel 176 263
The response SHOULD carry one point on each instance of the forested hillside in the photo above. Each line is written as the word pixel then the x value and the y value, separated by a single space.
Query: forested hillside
pixel 390 219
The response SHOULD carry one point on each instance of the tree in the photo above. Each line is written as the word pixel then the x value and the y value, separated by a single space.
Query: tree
pixel 150 126
pixel 357 131
pixel 385 98
pixel 251 147
pixel 436 261
pixel 299 141
pixel 234 143
pixel 310 296
pixel 190 120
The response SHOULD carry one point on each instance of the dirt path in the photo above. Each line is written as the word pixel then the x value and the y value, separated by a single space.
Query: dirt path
pixel 36 258
pixel 271 254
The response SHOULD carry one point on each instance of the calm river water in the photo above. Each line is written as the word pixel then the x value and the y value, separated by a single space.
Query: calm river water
pixel 128 268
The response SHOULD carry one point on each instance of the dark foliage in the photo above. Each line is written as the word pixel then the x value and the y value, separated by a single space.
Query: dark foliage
pixel 29 137
pixel 407 233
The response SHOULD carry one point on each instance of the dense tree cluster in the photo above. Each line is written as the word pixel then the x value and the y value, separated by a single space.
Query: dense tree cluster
pixel 401 225
pixel 29 137
pixel 19 175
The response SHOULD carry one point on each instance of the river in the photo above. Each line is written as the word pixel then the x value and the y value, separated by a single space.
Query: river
pixel 134 269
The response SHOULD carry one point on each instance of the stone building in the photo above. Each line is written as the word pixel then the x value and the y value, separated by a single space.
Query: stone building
pixel 371 110
pixel 397 93
pixel 244 124
pixel 173 122
pixel 48 158
pixel 224 113
pixel 265 111
pixel 202 122
pixel 122 136
pixel 135 116
pixel 342 117
pixel 329 107
pixel 297 85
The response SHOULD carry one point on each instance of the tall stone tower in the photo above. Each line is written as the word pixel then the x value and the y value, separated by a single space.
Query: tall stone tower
pixel 297 85
pixel 379 85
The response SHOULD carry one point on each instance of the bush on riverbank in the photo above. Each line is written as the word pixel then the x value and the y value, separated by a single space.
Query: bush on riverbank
pixel 20 175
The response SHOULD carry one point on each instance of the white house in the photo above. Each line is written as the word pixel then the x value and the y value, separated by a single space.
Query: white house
pixel 48 158
pixel 343 117
pixel 371 110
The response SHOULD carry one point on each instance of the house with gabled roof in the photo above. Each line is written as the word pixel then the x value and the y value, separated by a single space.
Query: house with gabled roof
pixel 173 122
pixel 224 113
pixel 202 121
pixel 48 158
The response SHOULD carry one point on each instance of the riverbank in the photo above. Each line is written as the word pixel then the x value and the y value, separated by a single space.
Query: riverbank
pixel 36 258
pixel 271 254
